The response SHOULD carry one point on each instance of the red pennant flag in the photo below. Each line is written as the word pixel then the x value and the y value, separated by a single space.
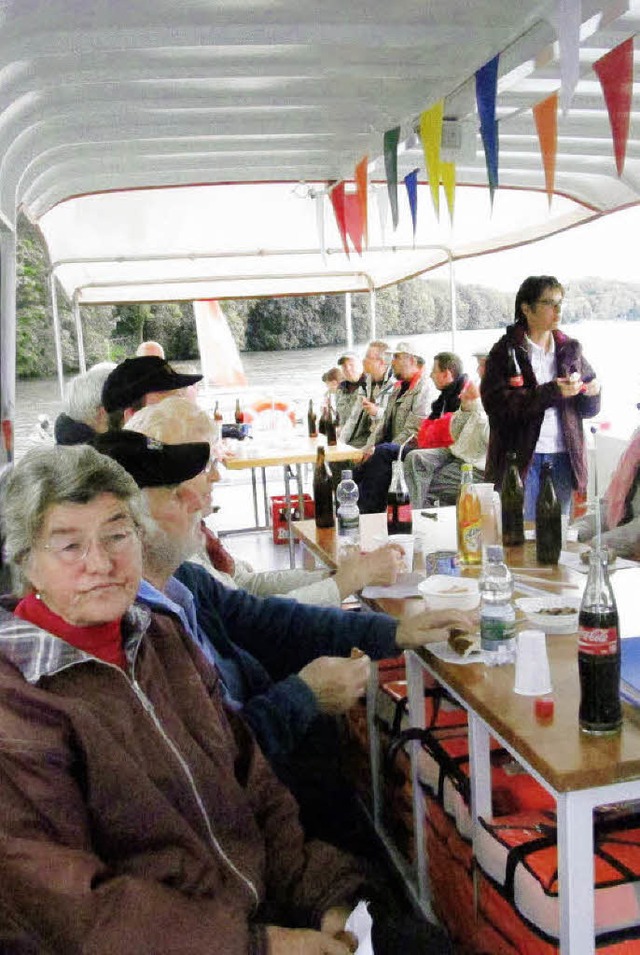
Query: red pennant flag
pixel 353 219
pixel 546 117
pixel 615 72
pixel 337 195
pixel 362 185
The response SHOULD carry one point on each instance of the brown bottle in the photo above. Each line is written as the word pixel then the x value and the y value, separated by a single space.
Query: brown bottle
pixel 330 423
pixel 323 492
pixel 217 414
pixel 512 500
pixel 548 520
pixel 239 416
pixel 312 421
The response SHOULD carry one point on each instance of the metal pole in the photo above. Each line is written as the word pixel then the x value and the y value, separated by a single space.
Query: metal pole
pixel 7 344
pixel 372 315
pixel 454 302
pixel 56 332
pixel 82 361
pixel 347 319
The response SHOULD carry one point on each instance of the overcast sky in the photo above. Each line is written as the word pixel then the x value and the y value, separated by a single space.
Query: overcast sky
pixel 608 248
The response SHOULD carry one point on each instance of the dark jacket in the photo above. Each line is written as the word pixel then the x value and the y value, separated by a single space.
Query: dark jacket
pixel 271 639
pixel 67 430
pixel 515 414
pixel 138 815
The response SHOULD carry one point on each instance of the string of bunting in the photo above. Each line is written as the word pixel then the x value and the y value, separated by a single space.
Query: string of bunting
pixel 615 73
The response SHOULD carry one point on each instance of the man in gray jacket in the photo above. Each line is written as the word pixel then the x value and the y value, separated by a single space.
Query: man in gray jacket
pixel 373 396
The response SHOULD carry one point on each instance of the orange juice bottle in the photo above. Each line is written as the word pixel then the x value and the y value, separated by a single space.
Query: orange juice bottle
pixel 469 520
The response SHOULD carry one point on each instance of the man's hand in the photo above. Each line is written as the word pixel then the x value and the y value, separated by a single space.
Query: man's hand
pixel 295 941
pixel 469 395
pixel 570 387
pixel 366 454
pixel 370 407
pixel 337 682
pixel 380 567
pixel 432 626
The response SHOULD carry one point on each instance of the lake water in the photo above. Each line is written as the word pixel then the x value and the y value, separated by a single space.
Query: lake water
pixel 295 376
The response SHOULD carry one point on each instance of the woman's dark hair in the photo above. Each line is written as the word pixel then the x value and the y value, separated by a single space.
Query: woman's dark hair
pixel 530 292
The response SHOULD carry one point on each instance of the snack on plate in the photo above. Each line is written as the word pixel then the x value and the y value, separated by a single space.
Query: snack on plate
pixel 463 643
pixel 356 653
pixel 558 611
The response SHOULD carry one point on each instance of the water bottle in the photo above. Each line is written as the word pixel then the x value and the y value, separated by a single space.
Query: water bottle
pixel 497 615
pixel 347 494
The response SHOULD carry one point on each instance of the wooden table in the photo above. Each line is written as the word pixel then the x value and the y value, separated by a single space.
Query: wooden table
pixel 580 771
pixel 285 451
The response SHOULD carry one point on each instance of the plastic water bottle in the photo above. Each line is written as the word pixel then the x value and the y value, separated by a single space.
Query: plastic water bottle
pixel 497 615
pixel 347 494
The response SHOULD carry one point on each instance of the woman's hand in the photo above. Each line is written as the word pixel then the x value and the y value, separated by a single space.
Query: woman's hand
pixel 432 626
pixel 294 941
pixel 379 567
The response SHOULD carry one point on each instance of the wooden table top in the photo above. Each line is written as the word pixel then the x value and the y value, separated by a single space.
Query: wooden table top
pixel 270 451
pixel 565 757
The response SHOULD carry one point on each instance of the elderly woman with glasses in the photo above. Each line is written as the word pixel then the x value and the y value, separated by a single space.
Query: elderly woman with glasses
pixel 537 388
pixel 138 814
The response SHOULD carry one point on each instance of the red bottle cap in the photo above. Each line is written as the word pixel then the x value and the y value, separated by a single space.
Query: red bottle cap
pixel 543 709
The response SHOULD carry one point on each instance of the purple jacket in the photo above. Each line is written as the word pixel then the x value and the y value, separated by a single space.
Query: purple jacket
pixel 515 414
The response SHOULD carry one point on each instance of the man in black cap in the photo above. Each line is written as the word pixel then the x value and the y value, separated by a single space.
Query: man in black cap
pixel 137 382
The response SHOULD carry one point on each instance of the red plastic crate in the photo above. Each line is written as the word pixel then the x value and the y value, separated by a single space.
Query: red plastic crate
pixel 279 514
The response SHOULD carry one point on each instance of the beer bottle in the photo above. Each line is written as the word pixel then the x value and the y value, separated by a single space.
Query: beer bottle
pixel 469 519
pixel 330 424
pixel 512 501
pixel 514 372
pixel 239 416
pixel 312 421
pixel 548 520
pixel 217 414
pixel 599 651
pixel 322 424
pixel 323 492
pixel 399 514
pixel 217 423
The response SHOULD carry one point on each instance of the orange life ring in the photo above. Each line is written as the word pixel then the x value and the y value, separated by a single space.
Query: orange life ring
pixel 258 407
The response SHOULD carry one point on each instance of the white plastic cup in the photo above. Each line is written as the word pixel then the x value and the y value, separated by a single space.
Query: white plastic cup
pixel 533 677
pixel 404 541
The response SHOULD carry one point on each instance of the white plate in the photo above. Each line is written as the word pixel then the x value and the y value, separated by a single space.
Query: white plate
pixel 534 608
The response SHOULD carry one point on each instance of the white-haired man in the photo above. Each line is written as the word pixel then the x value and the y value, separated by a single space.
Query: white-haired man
pixel 84 414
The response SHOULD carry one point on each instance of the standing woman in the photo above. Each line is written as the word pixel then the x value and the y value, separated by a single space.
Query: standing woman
pixel 538 412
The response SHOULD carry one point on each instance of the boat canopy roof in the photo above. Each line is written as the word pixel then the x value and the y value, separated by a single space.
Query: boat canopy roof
pixel 179 150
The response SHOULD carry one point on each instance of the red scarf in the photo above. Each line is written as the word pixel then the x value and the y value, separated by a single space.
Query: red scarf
pixel 103 641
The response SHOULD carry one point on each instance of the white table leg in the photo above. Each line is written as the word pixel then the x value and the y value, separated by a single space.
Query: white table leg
pixel 575 872
pixel 287 497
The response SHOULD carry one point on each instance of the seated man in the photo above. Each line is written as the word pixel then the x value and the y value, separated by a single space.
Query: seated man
pixel 137 382
pixel 351 385
pixel 285 664
pixel 138 813
pixel 374 476
pixel 84 414
pixel 372 396
pixel 620 512
pixel 433 474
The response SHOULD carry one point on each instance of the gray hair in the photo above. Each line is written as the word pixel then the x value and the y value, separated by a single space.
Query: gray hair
pixel 84 393
pixel 174 420
pixel 48 476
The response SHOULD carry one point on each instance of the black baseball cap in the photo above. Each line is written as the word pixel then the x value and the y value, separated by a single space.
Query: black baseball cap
pixel 134 378
pixel 150 462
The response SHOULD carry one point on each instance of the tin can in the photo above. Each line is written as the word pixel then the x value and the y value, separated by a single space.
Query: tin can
pixel 442 562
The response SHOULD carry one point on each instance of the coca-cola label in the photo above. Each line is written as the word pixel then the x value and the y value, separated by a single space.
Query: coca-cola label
pixel 516 381
pixel 404 512
pixel 598 641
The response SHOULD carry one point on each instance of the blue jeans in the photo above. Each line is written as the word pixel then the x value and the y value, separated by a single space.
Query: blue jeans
pixel 562 481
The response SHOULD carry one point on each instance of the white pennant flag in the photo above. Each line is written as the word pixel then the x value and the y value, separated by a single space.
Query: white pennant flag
pixel 568 17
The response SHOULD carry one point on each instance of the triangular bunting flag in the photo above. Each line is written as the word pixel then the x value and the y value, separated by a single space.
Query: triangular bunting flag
pixel 411 183
pixel 382 200
pixel 338 203
pixel 615 72
pixel 448 179
pixel 353 219
pixel 431 136
pixel 361 177
pixel 486 88
pixel 546 118
pixel 568 18
pixel 391 140
pixel 320 226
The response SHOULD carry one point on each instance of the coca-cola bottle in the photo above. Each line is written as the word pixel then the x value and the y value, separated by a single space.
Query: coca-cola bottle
pixel 239 415
pixel 599 651
pixel 399 514
pixel 512 502
pixel 514 372
pixel 323 492
pixel 548 520
pixel 312 421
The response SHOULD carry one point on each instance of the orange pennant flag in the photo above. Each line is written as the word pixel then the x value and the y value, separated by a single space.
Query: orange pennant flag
pixel 448 179
pixel 431 137
pixel 353 219
pixel 546 118
pixel 361 177
pixel 615 72
pixel 337 196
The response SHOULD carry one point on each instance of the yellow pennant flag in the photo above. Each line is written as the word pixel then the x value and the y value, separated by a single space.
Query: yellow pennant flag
pixel 431 136
pixel 448 178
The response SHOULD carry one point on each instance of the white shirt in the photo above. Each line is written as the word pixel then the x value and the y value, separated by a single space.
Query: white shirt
pixel 543 363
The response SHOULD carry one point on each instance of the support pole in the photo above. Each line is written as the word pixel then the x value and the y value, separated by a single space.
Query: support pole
pixel 372 315
pixel 347 319
pixel 7 344
pixel 82 361
pixel 454 302
pixel 56 332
